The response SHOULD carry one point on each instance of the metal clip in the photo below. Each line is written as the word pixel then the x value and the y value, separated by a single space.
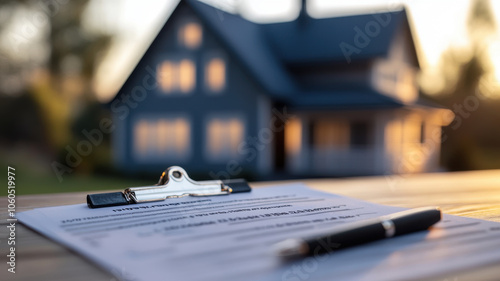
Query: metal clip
pixel 173 183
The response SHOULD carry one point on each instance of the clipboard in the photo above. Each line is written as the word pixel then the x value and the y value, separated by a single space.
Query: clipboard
pixel 174 182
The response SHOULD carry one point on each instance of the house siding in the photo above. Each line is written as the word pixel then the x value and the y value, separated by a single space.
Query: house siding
pixel 240 98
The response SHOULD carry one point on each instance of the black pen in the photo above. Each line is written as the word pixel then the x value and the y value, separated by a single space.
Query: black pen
pixel 360 232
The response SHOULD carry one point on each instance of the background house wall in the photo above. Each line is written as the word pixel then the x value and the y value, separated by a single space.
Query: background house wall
pixel 240 98
pixel 396 75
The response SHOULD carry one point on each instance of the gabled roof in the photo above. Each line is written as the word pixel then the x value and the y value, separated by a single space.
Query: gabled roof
pixel 265 50
pixel 307 40
pixel 245 40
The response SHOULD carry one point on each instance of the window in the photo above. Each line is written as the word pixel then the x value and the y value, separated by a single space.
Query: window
pixel 293 136
pixel 224 135
pixel 330 134
pixel 166 76
pixel 360 134
pixel 215 75
pixel 187 75
pixel 177 76
pixel 160 138
pixel 190 35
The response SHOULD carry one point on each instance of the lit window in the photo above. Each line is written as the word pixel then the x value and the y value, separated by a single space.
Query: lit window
pixel 141 137
pixel 174 77
pixel 167 76
pixel 155 139
pixel 215 74
pixel 187 76
pixel 190 35
pixel 331 134
pixel 293 136
pixel 164 141
pixel 223 138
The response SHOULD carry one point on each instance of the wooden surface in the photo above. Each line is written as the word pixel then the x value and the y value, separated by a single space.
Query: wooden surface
pixel 470 194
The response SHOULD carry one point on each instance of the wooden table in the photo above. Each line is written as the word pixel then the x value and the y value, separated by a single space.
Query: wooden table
pixel 470 194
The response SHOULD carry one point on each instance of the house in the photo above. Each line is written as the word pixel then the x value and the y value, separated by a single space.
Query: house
pixel 220 96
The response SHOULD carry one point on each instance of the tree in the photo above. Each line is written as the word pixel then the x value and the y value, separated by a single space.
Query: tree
pixel 467 73
pixel 50 59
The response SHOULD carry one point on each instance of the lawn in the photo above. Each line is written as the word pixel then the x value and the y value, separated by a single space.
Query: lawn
pixel 42 183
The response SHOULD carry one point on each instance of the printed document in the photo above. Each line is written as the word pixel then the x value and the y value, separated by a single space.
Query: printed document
pixel 231 238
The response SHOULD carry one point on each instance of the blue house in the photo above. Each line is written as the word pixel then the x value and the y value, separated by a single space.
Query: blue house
pixel 220 95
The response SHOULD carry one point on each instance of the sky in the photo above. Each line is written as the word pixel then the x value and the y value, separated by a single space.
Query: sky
pixel 437 25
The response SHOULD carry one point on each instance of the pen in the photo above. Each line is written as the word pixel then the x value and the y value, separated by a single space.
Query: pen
pixel 360 232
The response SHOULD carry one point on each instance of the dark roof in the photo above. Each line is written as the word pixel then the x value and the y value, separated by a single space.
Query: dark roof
pixel 306 39
pixel 246 41
pixel 342 100
pixel 266 50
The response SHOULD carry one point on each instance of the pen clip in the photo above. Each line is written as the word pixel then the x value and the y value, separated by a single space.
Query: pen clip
pixel 174 183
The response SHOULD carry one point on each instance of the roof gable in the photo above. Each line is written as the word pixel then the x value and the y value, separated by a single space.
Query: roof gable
pixel 247 42
pixel 308 40
pixel 266 49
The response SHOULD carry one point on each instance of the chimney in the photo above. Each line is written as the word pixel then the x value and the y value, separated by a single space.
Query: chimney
pixel 303 16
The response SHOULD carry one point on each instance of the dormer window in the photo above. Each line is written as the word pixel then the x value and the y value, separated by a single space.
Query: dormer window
pixel 215 75
pixel 190 35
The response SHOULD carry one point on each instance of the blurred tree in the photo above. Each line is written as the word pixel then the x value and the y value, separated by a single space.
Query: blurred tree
pixel 51 58
pixel 471 141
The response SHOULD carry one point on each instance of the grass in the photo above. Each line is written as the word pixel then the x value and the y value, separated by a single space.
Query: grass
pixel 33 175
pixel 43 183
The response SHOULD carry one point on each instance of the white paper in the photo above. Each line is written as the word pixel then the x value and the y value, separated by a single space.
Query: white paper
pixel 230 238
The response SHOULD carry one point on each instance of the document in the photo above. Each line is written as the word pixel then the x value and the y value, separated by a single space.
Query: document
pixel 231 238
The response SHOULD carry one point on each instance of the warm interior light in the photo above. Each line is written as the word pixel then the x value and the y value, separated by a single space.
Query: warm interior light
pixel 412 129
pixel 187 75
pixel 182 135
pixel 293 136
pixel 166 76
pixel 162 137
pixel 191 35
pixel 215 74
pixel 215 137
pixel 141 137
pixel 235 131
pixel 224 137
pixel 331 134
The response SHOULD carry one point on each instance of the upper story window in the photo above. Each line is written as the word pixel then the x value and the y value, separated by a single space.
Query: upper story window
pixel 167 76
pixel 190 35
pixel 187 75
pixel 215 74
pixel 177 76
